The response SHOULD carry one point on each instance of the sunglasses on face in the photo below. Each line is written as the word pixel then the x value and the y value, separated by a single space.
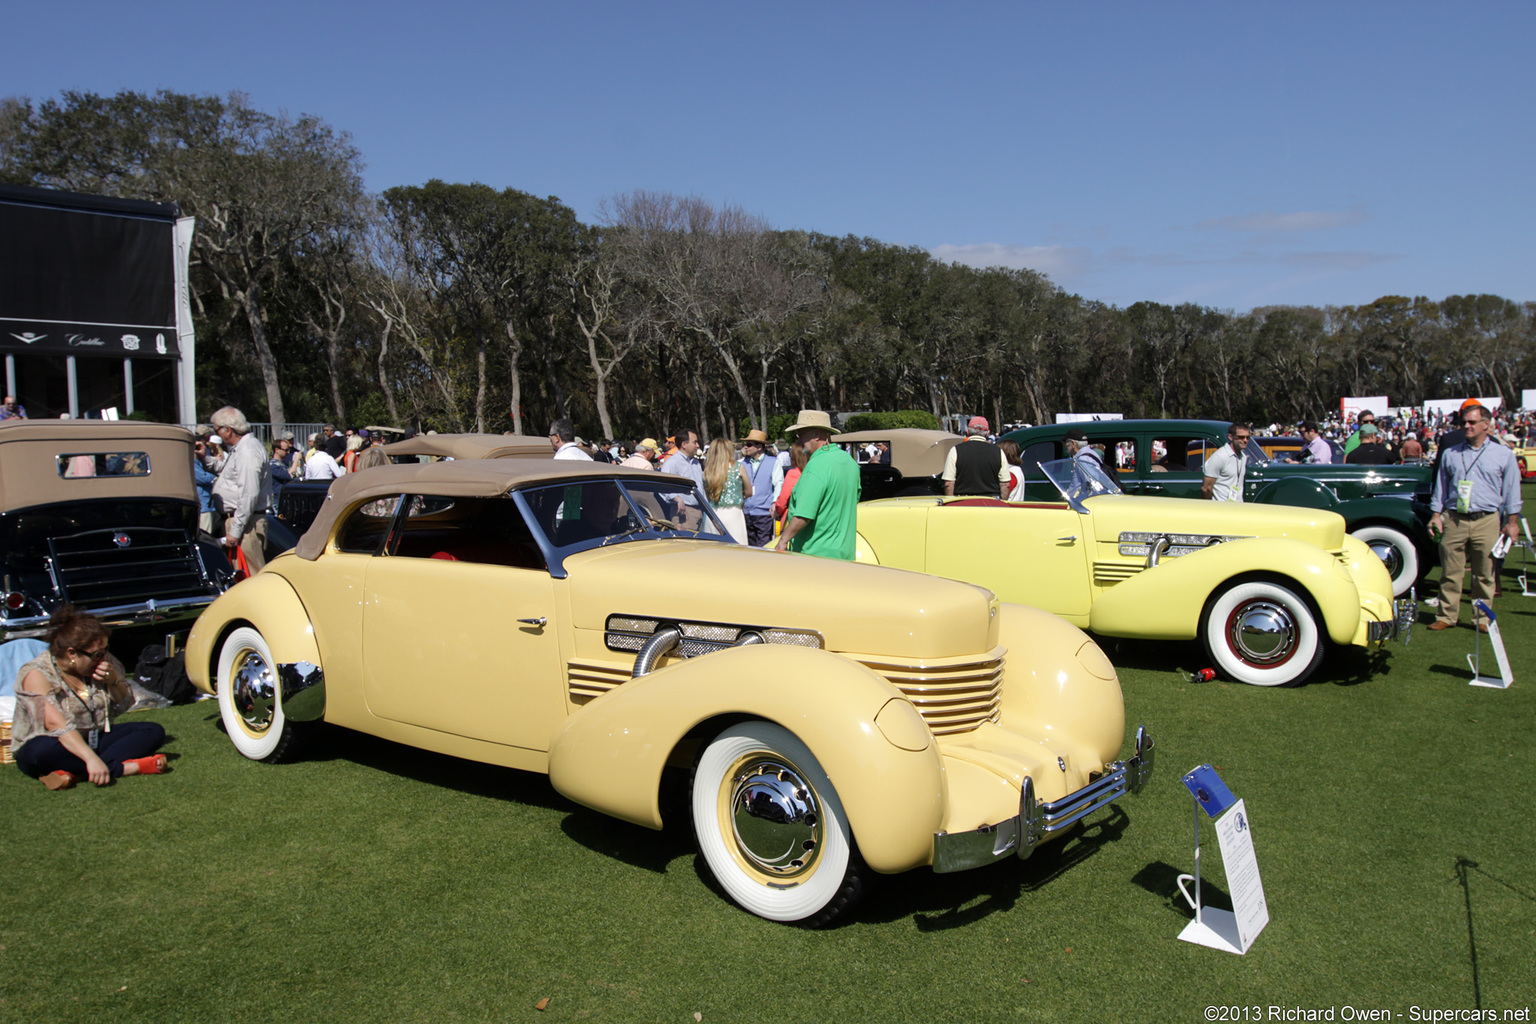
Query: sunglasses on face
pixel 92 655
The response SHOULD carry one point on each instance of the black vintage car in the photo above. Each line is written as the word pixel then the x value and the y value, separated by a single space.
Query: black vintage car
pixel 104 516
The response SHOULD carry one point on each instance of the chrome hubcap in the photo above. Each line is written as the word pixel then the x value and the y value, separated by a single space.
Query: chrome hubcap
pixel 254 692
pixel 1389 556
pixel 1262 632
pixel 774 816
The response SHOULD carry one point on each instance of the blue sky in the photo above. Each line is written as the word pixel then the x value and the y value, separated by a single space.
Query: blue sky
pixel 1232 154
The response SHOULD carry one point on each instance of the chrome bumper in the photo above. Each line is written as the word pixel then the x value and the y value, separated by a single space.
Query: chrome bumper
pixel 961 851
pixel 114 615
pixel 1405 609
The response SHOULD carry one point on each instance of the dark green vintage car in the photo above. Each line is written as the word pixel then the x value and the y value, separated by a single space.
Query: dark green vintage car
pixel 1385 506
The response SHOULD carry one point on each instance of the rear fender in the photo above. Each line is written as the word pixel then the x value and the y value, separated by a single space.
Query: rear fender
pixel 1165 601
pixel 1297 490
pixel 269 603
pixel 868 737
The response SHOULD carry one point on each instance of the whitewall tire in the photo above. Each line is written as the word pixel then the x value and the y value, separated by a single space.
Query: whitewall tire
pixel 1396 551
pixel 250 699
pixel 771 828
pixel 1262 633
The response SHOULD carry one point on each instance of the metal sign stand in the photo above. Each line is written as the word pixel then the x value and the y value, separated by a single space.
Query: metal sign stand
pixel 1474 661
pixel 1527 548
pixel 1212 926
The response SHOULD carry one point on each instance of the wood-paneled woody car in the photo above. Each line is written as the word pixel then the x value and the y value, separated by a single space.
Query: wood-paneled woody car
pixel 1266 587
pixel 591 622
pixel 102 515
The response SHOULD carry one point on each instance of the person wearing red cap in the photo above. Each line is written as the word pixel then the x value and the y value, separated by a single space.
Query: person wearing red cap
pixel 976 466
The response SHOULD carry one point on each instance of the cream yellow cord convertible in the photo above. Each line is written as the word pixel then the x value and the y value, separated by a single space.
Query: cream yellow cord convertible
pixel 1264 586
pixel 598 624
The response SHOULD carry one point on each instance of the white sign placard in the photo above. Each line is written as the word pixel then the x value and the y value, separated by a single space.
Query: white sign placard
pixel 1355 406
pixel 1454 404
pixel 1528 398
pixel 1234 832
pixel 1087 417
pixel 1505 677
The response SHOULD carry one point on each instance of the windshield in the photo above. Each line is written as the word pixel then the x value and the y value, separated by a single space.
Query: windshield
pixel 1255 452
pixel 593 513
pixel 1078 480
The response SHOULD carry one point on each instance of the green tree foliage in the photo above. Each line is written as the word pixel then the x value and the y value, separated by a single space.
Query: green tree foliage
pixel 440 305
pixel 919 419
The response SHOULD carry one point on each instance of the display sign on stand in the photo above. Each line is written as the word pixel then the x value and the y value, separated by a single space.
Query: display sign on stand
pixel 1232 931
pixel 1527 549
pixel 1505 677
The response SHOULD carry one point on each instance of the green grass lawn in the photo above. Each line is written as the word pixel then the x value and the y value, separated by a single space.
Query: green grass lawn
pixel 1389 800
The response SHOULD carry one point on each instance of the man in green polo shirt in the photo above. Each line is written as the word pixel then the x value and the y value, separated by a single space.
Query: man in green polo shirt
pixel 824 504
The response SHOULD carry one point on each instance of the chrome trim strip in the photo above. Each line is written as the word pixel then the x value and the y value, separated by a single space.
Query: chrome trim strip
pixel 960 851
pixel 303 689
pixel 151 610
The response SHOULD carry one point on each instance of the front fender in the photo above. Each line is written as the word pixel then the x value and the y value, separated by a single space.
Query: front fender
pixel 1060 688
pixel 869 738
pixel 1165 601
pixel 269 603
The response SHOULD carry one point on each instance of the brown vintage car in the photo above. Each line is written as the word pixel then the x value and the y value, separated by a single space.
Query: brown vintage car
pixel 102 515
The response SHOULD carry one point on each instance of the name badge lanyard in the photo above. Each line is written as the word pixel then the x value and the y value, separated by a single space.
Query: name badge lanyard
pixel 1466 478
pixel 92 738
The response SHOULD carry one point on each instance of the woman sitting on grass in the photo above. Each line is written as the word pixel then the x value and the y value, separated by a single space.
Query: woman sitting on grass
pixel 66 699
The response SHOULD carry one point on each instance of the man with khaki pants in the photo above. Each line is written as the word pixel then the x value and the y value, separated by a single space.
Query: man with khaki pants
pixel 1477 489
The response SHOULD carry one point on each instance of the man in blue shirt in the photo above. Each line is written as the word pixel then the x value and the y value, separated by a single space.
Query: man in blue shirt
pixel 1477 488
pixel 758 509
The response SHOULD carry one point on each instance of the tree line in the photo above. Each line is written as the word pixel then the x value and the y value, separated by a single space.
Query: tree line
pixel 459 306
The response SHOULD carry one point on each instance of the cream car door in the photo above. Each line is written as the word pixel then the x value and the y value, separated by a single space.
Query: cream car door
pixel 458 629
pixel 1027 554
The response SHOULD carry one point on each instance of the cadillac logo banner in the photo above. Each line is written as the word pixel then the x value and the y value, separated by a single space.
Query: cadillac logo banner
pixel 86 275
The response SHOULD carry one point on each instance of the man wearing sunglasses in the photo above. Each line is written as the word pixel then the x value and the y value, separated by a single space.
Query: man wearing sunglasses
pixel 1227 468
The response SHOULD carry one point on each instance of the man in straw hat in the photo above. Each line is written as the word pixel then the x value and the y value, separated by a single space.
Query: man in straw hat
pixel 823 507
pixel 643 456
pixel 758 509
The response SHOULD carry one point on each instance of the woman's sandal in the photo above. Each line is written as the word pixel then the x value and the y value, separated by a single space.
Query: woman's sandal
pixel 154 764
pixel 58 780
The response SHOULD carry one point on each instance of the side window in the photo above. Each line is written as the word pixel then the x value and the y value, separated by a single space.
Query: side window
pixel 484 531
pixel 1119 453
pixel 1041 451
pixel 365 529
pixel 1177 454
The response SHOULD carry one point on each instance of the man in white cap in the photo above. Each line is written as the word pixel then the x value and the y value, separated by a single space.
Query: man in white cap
pixel 976 467
pixel 824 506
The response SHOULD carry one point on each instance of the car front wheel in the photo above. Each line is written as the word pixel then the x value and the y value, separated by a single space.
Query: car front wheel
pixel 771 828
pixel 250 699
pixel 1397 553
pixel 1262 633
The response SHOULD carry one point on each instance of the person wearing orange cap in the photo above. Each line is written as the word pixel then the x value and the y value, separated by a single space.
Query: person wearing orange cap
pixel 976 466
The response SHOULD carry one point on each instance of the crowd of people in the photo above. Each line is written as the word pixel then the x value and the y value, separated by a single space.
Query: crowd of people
pixel 801 497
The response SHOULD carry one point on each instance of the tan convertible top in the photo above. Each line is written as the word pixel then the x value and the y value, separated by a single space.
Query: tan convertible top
pixel 473 446
pixel 462 478
pixel 915 452
pixel 30 450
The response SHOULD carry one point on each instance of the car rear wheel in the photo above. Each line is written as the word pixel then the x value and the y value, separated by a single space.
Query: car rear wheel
pixel 250 699
pixel 1397 553
pixel 771 828
pixel 1262 633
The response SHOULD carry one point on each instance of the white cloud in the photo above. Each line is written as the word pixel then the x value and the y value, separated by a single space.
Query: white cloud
pixel 1054 261
pixel 1305 220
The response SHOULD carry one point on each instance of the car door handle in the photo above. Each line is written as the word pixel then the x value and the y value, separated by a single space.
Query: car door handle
pixel 1069 537
pixel 535 622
